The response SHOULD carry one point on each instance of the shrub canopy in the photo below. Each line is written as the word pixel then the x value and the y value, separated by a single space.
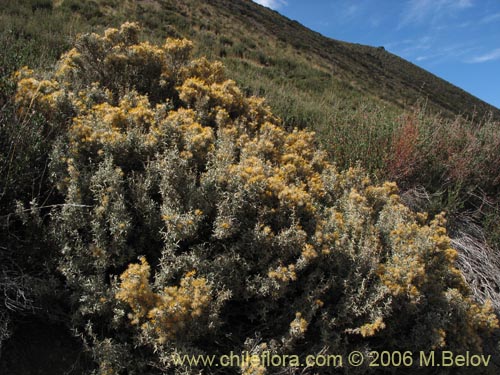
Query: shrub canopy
pixel 195 223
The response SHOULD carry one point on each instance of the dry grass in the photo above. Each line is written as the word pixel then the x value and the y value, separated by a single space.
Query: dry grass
pixel 479 262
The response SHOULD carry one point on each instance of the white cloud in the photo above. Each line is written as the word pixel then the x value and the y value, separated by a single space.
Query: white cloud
pixel 429 50
pixel 463 4
pixel 409 47
pixel 350 10
pixel 273 4
pixel 490 18
pixel 493 55
pixel 442 54
pixel 418 11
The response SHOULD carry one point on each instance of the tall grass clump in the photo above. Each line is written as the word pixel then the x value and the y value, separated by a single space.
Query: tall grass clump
pixel 192 222
pixel 442 151
pixel 456 161
pixel 27 271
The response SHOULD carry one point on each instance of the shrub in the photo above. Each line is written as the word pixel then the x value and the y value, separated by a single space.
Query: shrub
pixel 439 152
pixel 247 237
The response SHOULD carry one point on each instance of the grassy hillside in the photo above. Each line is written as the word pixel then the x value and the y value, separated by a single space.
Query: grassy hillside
pixel 373 112
pixel 308 80
pixel 250 37
pixel 372 70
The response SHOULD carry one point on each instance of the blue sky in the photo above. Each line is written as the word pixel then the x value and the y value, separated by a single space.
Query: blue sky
pixel 458 40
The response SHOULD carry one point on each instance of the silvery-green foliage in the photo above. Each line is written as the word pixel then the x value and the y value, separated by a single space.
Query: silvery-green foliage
pixel 193 222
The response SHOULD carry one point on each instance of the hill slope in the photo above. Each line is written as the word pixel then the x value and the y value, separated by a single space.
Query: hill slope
pixel 264 50
pixel 372 70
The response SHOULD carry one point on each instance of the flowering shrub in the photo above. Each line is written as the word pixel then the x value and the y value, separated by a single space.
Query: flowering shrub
pixel 242 228
pixel 165 313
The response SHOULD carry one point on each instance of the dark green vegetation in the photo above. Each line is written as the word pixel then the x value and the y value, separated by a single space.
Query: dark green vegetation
pixel 440 144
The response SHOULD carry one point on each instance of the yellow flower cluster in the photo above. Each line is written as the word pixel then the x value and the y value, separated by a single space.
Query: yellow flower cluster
pixel 423 256
pixel 198 140
pixel 211 72
pixel 251 170
pixel 209 98
pixel 168 312
pixel 281 165
pixel 370 329
pixel 177 52
pixel 252 365
pixel 283 273
pixel 136 291
pixel 67 64
pixel 378 196
pixel 298 326
pixel 144 54
pixel 479 318
pixel 309 253
pixel 117 50
pixel 105 124
pixel 40 94
pixel 178 305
